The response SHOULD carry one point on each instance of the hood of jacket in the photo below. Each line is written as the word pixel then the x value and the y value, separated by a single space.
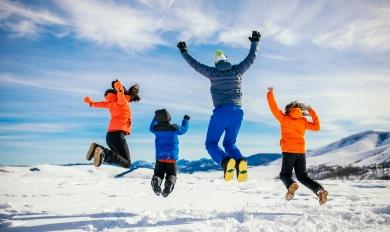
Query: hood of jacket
pixel 295 113
pixel 111 97
pixel 223 65
pixel 162 116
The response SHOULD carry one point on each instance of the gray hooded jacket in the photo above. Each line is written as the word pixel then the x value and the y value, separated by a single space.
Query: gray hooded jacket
pixel 225 78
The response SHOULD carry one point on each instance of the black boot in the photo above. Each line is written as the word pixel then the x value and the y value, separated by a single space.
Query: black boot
pixel 169 185
pixel 156 185
pixel 228 164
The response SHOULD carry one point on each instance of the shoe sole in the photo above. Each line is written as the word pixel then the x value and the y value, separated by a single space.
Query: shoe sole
pixel 97 157
pixel 324 198
pixel 91 151
pixel 291 191
pixel 230 167
pixel 242 171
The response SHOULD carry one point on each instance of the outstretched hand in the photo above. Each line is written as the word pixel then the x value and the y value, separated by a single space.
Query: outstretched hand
pixel 270 88
pixel 182 46
pixel 255 36
pixel 88 100
pixel 187 117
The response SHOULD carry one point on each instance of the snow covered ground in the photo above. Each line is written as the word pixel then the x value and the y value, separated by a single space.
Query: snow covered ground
pixel 84 198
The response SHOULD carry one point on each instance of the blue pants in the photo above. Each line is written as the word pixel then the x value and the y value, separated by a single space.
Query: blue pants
pixel 226 118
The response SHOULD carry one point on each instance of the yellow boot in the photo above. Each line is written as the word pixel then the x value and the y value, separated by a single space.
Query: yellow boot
pixel 229 165
pixel 242 170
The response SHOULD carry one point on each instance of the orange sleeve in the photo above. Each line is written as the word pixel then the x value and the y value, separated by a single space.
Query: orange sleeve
pixel 101 104
pixel 121 98
pixel 274 106
pixel 315 125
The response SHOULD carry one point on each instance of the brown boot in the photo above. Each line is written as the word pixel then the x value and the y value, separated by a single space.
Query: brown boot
pixel 323 196
pixel 291 190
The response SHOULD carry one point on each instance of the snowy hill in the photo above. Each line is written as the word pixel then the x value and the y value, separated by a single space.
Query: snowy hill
pixel 85 198
pixel 202 165
pixel 362 149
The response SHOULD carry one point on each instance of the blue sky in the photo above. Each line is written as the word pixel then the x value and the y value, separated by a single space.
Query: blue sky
pixel 334 55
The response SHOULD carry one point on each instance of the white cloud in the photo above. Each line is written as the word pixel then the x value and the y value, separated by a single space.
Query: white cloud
pixel 25 21
pixel 369 31
pixel 145 24
pixel 44 83
pixel 36 127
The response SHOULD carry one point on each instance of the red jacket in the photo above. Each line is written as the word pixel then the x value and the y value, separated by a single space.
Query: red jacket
pixel 120 112
pixel 293 126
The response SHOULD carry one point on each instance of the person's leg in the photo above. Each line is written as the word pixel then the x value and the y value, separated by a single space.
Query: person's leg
pixel 170 178
pixel 158 176
pixel 119 153
pixel 214 132
pixel 301 173
pixel 286 171
pixel 286 174
pixel 235 116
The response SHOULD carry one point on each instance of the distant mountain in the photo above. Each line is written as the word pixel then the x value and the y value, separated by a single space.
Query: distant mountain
pixel 204 165
pixel 362 149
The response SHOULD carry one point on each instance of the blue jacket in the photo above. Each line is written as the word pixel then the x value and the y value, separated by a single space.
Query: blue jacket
pixel 225 78
pixel 166 142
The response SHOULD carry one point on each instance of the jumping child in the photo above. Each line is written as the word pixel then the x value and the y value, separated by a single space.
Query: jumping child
pixel 117 101
pixel 293 125
pixel 167 150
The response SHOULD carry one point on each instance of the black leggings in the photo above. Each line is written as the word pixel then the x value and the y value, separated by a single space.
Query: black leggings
pixel 119 153
pixel 298 162
pixel 165 169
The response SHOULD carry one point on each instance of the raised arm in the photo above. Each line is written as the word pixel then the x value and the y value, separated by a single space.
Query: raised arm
pixel 315 125
pixel 152 124
pixel 199 67
pixel 184 125
pixel 91 103
pixel 244 65
pixel 273 105
pixel 120 93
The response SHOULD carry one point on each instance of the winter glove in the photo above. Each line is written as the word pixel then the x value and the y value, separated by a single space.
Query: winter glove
pixel 270 88
pixel 255 36
pixel 117 85
pixel 88 100
pixel 135 98
pixel 182 46
pixel 187 117
pixel 133 90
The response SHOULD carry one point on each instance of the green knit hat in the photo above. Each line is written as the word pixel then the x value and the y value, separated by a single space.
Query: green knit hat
pixel 219 56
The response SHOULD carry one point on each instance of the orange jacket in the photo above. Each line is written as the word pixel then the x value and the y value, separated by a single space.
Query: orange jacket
pixel 119 107
pixel 293 126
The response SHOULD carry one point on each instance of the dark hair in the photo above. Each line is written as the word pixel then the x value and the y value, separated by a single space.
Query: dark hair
pixel 295 104
pixel 109 91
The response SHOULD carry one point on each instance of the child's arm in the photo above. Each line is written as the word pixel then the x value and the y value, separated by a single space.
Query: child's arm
pixel 152 124
pixel 315 125
pixel 273 105
pixel 184 125
pixel 248 61
pixel 91 103
pixel 199 67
